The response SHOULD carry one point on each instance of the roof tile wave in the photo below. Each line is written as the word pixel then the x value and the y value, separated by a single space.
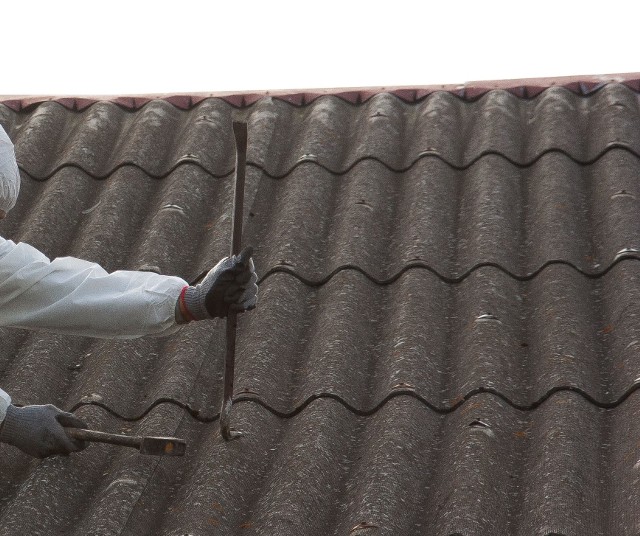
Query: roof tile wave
pixel 452 183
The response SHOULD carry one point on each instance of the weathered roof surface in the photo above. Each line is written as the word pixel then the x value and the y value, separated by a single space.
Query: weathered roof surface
pixel 446 340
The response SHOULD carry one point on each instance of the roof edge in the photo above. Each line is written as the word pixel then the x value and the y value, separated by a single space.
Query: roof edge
pixel 521 87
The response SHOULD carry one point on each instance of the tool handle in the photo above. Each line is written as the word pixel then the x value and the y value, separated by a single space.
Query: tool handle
pixel 103 437
pixel 240 135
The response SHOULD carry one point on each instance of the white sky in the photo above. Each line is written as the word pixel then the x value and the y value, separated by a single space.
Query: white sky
pixel 135 46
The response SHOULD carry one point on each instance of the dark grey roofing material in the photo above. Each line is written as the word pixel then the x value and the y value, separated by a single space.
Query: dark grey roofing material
pixel 446 340
pixel 329 131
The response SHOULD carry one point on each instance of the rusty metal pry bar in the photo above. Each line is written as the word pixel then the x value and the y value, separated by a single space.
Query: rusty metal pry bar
pixel 240 136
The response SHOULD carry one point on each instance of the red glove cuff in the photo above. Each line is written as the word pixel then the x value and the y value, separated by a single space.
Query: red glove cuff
pixel 184 311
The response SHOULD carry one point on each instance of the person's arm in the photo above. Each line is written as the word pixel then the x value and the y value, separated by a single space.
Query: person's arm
pixel 69 295
pixel 73 296
pixel 5 402
pixel 77 297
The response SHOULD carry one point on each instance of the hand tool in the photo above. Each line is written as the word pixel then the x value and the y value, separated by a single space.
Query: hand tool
pixel 153 446
pixel 240 136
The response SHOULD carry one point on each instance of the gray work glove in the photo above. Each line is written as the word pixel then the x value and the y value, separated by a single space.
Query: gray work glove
pixel 38 430
pixel 231 285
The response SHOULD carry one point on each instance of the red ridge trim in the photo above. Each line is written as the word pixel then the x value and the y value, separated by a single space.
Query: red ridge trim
pixel 83 104
pixel 474 92
pixel 350 96
pixel 407 95
pixel 524 88
pixel 252 98
pixel 184 102
pixel 293 98
pixel 234 100
pixel 633 84
pixel 534 90
pixel 14 104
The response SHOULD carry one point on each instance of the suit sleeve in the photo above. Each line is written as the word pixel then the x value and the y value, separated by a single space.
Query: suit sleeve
pixel 5 401
pixel 77 297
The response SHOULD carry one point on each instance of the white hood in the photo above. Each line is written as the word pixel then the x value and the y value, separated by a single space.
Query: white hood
pixel 9 174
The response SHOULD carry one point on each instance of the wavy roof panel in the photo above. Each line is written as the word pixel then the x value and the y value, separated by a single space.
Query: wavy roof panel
pixel 446 339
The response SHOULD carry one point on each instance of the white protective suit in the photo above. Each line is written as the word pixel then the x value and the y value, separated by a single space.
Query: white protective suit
pixel 72 296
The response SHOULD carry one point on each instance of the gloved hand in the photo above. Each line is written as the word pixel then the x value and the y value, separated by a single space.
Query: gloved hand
pixel 38 430
pixel 231 285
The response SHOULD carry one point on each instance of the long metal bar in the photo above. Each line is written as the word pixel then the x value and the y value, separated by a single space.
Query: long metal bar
pixel 240 135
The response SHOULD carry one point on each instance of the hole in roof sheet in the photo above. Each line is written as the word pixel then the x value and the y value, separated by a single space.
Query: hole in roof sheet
pixel 623 194
pixel 91 209
pixel 126 481
pixel 205 119
pixel 487 317
pixel 482 427
pixel 477 423
pixel 403 385
pixel 189 157
pixel 173 208
pixel 364 525
pixel 363 203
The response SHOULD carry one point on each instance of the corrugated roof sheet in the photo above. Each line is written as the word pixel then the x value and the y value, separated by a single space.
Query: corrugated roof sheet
pixel 446 340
